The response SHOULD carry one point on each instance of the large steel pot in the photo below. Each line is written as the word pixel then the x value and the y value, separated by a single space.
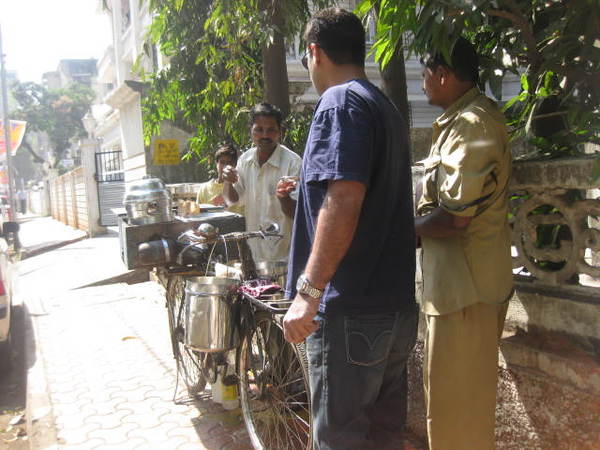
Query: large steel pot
pixel 275 271
pixel 211 313
pixel 147 201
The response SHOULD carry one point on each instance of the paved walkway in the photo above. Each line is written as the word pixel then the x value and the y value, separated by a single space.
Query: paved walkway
pixel 101 372
pixel 111 377
pixel 38 234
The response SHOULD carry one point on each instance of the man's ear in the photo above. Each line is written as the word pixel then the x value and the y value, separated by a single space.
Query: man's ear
pixel 444 73
pixel 317 53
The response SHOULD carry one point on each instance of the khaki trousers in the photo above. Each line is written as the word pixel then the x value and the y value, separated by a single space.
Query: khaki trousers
pixel 460 376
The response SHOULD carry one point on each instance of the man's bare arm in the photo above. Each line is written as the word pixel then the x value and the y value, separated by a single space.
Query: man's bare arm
pixel 288 206
pixel 440 224
pixel 230 176
pixel 230 194
pixel 336 225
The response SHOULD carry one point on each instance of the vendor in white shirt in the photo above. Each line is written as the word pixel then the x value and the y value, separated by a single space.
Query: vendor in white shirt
pixel 256 183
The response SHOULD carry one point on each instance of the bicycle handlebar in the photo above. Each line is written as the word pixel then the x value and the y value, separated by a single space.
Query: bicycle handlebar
pixel 207 237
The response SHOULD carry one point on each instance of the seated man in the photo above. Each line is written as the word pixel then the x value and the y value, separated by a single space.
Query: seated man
pixel 264 182
pixel 211 192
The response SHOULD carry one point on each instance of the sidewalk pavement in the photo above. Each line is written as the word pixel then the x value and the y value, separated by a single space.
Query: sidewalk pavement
pixel 108 377
pixel 101 374
pixel 40 234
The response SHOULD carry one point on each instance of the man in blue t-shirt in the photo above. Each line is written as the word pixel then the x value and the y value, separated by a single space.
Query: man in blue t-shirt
pixel 352 261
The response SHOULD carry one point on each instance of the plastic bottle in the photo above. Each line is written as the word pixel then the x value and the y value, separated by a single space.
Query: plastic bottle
pixel 225 389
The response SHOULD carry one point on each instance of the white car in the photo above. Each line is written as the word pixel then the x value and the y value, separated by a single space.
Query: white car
pixel 9 249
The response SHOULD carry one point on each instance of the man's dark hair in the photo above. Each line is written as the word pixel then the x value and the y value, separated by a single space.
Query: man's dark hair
pixel 268 110
pixel 227 150
pixel 464 61
pixel 340 34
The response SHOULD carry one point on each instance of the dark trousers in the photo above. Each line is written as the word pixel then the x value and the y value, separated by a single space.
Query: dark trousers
pixel 358 381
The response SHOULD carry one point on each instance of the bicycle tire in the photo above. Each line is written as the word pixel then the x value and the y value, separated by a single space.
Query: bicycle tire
pixel 188 362
pixel 273 386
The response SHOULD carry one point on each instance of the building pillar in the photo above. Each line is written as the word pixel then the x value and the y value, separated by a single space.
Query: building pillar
pixel 88 162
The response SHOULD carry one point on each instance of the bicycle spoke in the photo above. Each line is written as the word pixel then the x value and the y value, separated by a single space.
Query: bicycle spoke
pixel 275 401
pixel 189 365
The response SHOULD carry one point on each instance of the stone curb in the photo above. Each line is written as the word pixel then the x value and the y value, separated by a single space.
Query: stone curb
pixel 44 248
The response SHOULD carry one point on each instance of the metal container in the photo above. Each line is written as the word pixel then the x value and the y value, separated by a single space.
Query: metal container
pixel 157 253
pixel 184 190
pixel 275 271
pixel 147 201
pixel 212 314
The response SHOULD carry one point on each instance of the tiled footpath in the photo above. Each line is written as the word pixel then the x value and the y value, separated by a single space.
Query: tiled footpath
pixel 100 369
pixel 101 374
pixel 110 377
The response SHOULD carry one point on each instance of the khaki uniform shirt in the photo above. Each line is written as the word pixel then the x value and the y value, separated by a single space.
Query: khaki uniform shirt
pixel 211 189
pixel 256 188
pixel 467 173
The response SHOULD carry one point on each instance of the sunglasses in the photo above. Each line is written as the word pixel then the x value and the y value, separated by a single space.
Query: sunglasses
pixel 304 59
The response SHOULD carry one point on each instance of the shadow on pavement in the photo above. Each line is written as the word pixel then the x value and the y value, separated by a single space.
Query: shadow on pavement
pixel 13 385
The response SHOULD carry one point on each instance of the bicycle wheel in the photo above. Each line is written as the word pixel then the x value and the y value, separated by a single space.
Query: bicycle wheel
pixel 274 392
pixel 189 362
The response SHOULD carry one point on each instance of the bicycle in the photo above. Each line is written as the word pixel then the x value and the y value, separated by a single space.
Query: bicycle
pixel 272 374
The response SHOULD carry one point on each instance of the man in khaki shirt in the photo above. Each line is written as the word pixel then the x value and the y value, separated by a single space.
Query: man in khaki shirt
pixel 462 220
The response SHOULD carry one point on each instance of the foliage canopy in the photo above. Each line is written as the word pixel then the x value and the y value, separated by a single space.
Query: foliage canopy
pixel 553 45
pixel 213 70
pixel 57 113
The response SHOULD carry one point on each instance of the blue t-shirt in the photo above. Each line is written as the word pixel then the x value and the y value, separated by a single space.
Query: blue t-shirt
pixel 358 135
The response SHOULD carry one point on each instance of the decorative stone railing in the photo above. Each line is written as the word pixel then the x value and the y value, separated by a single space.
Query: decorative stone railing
pixel 554 197
pixel 555 227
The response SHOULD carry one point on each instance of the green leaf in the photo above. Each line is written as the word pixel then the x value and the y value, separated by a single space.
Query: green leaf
pixel 363 8
pixel 524 83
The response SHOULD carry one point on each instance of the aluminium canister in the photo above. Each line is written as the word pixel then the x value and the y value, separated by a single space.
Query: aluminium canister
pixel 147 201
pixel 212 312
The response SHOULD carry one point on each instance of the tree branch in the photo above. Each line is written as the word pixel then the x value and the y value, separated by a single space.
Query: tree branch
pixel 552 114
pixel 36 158
pixel 517 18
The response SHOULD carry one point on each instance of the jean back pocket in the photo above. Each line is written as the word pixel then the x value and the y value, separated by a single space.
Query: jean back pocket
pixel 368 338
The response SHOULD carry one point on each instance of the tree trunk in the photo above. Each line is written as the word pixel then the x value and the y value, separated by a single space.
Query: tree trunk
pixel 273 58
pixel 394 86
pixel 394 83
pixel 36 158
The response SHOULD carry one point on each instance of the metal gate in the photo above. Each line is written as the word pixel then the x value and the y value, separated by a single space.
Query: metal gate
pixel 111 184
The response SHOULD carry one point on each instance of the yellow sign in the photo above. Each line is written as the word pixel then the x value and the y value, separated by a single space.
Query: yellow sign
pixel 166 152
pixel 17 131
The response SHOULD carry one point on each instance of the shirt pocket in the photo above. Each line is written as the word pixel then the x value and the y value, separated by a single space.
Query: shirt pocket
pixel 430 181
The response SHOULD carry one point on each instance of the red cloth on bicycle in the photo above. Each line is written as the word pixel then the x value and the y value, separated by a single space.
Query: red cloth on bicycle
pixel 258 288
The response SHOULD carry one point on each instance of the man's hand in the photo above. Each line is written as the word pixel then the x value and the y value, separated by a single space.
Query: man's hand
pixel 299 322
pixel 286 186
pixel 230 174
pixel 218 201
pixel 439 223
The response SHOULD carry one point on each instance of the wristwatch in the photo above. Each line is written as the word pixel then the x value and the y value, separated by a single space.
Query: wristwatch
pixel 303 286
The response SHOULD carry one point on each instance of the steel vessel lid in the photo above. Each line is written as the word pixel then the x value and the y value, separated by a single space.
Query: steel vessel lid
pixel 146 189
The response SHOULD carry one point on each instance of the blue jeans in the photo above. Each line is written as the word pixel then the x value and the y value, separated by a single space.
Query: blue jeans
pixel 357 379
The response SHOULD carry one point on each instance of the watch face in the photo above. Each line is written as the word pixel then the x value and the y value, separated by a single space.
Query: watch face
pixel 304 287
